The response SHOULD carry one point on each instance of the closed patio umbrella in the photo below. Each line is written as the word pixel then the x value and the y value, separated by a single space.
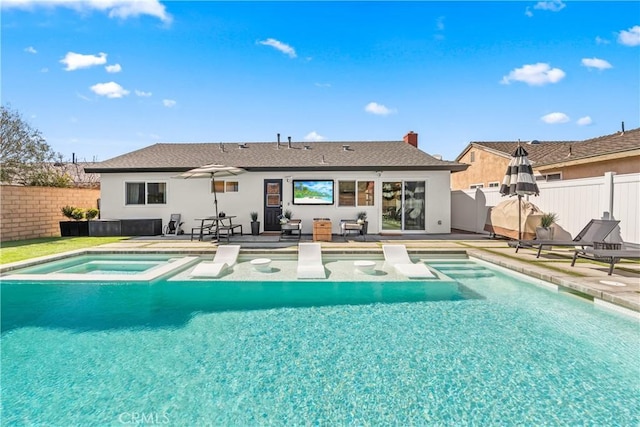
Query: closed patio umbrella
pixel 211 171
pixel 519 180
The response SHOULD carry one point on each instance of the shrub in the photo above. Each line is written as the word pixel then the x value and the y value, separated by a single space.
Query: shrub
pixel 548 219
pixel 91 213
pixel 67 211
pixel 77 214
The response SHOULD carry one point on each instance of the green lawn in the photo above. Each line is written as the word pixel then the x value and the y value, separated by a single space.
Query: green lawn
pixel 25 249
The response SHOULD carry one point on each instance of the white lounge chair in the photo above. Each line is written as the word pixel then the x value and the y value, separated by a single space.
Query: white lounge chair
pixel 398 257
pixel 310 261
pixel 225 258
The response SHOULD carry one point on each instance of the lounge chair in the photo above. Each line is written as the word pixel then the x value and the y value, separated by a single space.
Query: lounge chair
pixel 398 257
pixel 225 258
pixel 612 256
pixel 174 226
pixel 595 231
pixel 310 261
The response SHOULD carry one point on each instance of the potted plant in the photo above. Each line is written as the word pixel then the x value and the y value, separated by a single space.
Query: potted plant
pixel 362 217
pixel 75 227
pixel 255 224
pixel 362 220
pixel 544 231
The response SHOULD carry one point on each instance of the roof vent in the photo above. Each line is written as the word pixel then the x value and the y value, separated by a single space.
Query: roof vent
pixel 437 156
pixel 345 148
pixel 322 162
pixel 307 147
pixel 243 145
pixel 289 143
pixel 533 141
pixel 278 146
pixel 222 147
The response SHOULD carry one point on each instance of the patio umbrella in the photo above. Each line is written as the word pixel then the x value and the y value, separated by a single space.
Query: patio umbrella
pixel 211 171
pixel 519 180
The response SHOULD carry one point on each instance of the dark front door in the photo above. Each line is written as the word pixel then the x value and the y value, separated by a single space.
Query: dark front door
pixel 272 204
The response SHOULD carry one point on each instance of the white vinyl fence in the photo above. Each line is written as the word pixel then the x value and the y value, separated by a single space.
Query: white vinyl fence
pixel 575 201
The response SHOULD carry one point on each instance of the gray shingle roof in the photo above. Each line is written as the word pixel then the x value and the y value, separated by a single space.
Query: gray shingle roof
pixel 544 153
pixel 177 157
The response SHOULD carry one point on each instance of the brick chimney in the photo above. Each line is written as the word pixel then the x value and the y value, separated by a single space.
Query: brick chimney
pixel 411 138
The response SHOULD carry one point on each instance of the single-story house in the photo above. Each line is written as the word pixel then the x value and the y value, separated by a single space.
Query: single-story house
pixel 401 188
pixel 551 160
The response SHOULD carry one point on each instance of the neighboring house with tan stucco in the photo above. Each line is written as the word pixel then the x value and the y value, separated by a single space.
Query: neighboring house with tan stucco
pixel 551 160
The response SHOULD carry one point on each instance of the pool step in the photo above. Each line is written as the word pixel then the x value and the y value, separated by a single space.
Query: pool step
pixel 462 270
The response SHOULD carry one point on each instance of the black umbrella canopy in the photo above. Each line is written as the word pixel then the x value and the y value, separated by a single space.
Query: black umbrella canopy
pixel 519 180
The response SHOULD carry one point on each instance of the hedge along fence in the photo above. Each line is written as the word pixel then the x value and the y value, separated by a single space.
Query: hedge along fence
pixel 33 212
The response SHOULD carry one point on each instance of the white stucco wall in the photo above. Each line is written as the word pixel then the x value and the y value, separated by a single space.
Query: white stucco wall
pixel 193 199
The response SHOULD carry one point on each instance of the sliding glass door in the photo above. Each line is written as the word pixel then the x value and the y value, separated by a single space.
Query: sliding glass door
pixel 403 205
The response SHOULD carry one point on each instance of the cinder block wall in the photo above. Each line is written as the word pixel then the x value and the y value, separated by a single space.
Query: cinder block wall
pixel 33 212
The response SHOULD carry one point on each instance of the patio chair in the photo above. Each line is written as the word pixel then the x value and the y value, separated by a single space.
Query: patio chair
pixel 225 258
pixel 398 257
pixel 174 226
pixel 595 231
pixel 310 261
pixel 348 226
pixel 611 256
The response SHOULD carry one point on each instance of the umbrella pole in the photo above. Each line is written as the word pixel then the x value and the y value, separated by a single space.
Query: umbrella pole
pixel 215 193
pixel 519 217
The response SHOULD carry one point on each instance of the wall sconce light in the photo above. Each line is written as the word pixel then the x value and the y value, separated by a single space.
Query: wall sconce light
pixel 379 173
pixel 288 178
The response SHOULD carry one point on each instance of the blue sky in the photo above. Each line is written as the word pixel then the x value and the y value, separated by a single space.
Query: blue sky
pixel 101 78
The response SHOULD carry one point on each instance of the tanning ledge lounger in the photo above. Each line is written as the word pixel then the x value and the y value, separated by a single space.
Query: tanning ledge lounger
pixel 397 256
pixel 310 261
pixel 225 258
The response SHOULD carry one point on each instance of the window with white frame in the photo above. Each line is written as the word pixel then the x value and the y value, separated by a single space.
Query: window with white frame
pixel 224 186
pixel 494 184
pixel 145 193
pixel 356 193
pixel 474 186
pixel 550 177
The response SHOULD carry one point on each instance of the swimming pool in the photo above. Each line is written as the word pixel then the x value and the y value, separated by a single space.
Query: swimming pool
pixel 474 347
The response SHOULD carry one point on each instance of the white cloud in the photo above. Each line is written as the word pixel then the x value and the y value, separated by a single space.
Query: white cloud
pixel 30 49
pixel 528 12
pixel 142 93
pixel 378 109
pixel 600 40
pixel 115 68
pixel 555 118
pixel 535 75
pixel 584 121
pixel 630 37
pixel 44 70
pixel 314 136
pixel 551 6
pixel 282 47
pixel 122 9
pixel 600 64
pixel 168 103
pixel 110 90
pixel 323 84
pixel 440 23
pixel 74 61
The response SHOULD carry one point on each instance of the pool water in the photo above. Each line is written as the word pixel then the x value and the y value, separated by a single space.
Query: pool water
pixel 484 349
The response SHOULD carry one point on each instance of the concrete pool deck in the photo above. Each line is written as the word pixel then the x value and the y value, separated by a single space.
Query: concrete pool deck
pixel 588 278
